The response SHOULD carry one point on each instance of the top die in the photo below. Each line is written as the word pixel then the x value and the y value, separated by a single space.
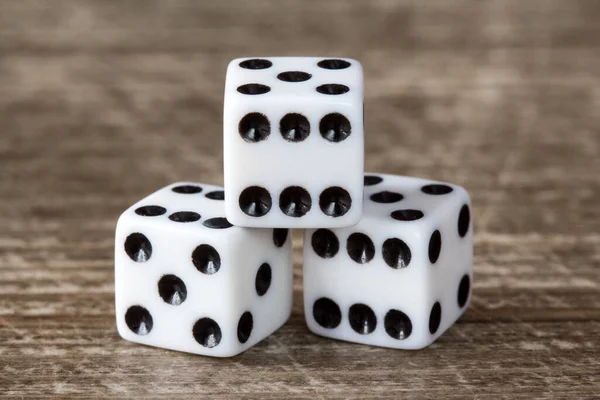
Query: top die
pixel 293 142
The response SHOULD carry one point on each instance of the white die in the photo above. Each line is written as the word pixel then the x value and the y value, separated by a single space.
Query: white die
pixel 187 280
pixel 293 142
pixel 399 278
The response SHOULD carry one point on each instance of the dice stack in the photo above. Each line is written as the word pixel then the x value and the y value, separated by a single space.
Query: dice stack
pixel 207 270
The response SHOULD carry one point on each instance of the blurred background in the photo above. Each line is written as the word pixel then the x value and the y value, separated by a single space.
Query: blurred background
pixel 102 102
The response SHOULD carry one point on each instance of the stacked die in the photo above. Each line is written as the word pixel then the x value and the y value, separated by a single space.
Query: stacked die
pixel 387 259
pixel 294 151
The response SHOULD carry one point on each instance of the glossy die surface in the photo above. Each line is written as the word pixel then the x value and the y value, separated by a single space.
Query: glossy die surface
pixel 399 278
pixel 187 280
pixel 293 142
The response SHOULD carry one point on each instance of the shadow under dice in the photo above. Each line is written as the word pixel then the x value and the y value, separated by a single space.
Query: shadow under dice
pixel 293 142
pixel 186 279
pixel 402 275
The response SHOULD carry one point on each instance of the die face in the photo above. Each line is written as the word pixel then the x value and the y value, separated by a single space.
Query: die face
pixel 357 275
pixel 393 283
pixel 262 288
pixel 301 78
pixel 183 207
pixel 294 156
pixel 188 286
pixel 451 276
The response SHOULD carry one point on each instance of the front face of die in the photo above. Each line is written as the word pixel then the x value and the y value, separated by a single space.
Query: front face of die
pixel 401 276
pixel 293 142
pixel 187 280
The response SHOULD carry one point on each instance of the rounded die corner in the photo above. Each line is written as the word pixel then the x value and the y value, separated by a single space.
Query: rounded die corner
pixel 123 219
pixel 464 195
pixel 228 354
pixel 236 62
pixel 122 330
pixel 420 344
pixel 354 220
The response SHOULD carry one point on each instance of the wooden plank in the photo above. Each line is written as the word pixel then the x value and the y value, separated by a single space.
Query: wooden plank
pixel 276 27
pixel 554 359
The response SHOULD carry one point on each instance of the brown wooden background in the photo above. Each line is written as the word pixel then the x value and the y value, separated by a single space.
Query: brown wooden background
pixel 101 102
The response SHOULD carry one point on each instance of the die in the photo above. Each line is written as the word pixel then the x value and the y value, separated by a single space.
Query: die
pixel 188 280
pixel 402 275
pixel 293 142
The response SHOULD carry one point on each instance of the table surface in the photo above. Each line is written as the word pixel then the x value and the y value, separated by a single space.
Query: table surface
pixel 103 102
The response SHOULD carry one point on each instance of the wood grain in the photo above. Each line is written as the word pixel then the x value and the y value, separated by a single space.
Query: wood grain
pixel 103 102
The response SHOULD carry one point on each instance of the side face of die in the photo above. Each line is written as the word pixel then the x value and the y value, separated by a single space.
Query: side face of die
pixel 187 280
pixel 402 275
pixel 294 142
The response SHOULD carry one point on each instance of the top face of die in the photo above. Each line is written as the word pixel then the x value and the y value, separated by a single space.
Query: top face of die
pixel 321 79
pixel 405 199
pixel 183 205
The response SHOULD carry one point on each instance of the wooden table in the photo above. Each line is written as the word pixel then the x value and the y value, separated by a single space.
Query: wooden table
pixel 103 102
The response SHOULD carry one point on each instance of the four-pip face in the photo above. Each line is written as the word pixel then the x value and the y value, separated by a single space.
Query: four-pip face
pixel 293 142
